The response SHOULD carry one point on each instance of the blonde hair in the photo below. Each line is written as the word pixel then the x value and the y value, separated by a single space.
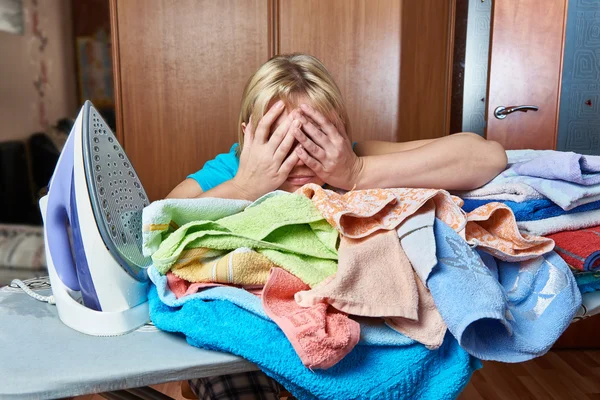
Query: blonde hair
pixel 286 77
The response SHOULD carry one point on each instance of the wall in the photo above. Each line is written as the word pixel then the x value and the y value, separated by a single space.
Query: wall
pixel 579 123
pixel 37 70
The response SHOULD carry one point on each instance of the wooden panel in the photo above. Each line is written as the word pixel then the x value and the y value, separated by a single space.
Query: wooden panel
pixel 525 68
pixel 182 66
pixel 359 43
pixel 581 335
pixel 425 76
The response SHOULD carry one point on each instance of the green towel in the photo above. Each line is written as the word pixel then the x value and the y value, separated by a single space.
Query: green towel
pixel 287 228
pixel 162 217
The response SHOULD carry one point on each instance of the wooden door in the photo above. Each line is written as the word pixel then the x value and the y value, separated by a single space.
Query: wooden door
pixel 527 40
pixel 180 69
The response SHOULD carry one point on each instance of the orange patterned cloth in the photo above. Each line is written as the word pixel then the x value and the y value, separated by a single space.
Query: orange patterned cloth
pixel 493 228
pixel 359 213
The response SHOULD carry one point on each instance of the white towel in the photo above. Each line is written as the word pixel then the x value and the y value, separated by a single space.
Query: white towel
pixel 566 222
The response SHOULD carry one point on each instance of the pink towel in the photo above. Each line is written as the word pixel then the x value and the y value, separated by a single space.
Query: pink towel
pixel 320 335
pixel 180 287
pixel 430 328
pixel 374 279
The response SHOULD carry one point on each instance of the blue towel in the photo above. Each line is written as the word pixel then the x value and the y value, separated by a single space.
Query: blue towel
pixel 497 310
pixel 368 372
pixel 532 210
pixel 372 332
pixel 588 281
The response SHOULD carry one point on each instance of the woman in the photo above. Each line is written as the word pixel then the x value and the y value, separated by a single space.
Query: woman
pixel 294 130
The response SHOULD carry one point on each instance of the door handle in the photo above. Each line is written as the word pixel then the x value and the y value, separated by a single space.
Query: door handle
pixel 501 112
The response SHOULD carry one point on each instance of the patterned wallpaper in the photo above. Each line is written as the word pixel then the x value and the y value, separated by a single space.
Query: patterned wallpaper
pixel 579 119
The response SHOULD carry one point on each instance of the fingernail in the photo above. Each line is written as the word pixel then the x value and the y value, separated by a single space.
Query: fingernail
pixel 296 124
pixel 305 107
pixel 279 104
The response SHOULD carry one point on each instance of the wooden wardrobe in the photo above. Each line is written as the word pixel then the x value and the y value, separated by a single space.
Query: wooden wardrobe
pixel 181 66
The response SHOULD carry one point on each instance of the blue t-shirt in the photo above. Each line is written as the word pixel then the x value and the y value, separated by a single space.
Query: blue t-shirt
pixel 221 169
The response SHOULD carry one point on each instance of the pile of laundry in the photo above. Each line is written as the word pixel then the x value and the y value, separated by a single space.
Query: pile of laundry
pixel 324 290
pixel 554 194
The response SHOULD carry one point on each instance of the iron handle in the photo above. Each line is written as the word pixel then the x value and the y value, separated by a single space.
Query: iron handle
pixel 501 112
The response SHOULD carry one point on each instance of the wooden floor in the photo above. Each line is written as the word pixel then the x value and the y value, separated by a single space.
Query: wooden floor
pixel 559 375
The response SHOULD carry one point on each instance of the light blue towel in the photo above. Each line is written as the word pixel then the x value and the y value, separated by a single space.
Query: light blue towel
pixel 368 372
pixel 501 311
pixel 372 332
pixel 568 179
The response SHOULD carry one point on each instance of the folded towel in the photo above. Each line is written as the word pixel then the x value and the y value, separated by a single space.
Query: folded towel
pixel 242 266
pixel 568 179
pixel 180 287
pixel 567 222
pixel 368 372
pixel 533 210
pixel 320 335
pixel 502 191
pixel 373 331
pixel 588 281
pixel 286 228
pixel 374 279
pixel 240 297
pixel 580 249
pixel 524 308
pixel 495 224
pixel 562 165
pixel 164 216
pixel 418 242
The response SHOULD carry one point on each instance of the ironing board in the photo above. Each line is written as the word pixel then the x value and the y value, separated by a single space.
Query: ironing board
pixel 42 358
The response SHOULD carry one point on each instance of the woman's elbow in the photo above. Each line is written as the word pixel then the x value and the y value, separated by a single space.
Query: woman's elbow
pixel 493 161
pixel 497 157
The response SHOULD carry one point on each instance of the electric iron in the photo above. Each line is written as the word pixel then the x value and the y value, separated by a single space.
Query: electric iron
pixel 96 267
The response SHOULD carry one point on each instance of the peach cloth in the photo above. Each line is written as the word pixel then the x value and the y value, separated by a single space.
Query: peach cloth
pixel 429 328
pixel 358 213
pixel 374 279
pixel 180 287
pixel 320 335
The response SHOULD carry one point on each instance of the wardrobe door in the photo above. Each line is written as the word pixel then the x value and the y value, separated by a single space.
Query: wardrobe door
pixel 390 59
pixel 527 40
pixel 180 69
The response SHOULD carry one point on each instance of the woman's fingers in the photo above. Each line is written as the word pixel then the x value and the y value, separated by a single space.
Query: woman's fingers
pixel 264 125
pixel 289 163
pixel 316 134
pixel 286 143
pixel 326 126
pixel 311 147
pixel 281 131
pixel 309 161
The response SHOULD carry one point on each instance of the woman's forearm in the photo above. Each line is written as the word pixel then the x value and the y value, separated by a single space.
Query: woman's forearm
pixel 190 189
pixel 456 162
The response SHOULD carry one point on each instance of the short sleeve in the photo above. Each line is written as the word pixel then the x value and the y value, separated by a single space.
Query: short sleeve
pixel 221 169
